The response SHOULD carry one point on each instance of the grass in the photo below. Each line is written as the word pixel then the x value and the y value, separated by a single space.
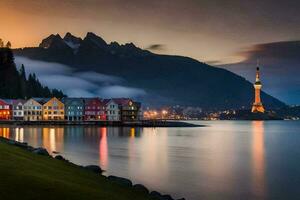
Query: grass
pixel 24 175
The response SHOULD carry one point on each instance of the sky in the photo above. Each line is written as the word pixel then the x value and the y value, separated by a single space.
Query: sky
pixel 221 33
pixel 212 31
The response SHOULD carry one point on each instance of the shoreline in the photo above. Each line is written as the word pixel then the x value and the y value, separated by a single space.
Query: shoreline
pixel 144 123
pixel 120 181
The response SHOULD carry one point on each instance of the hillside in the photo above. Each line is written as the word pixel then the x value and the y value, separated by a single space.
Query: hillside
pixel 167 80
pixel 40 177
pixel 15 83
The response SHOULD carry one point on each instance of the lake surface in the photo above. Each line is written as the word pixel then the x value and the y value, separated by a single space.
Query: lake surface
pixel 225 160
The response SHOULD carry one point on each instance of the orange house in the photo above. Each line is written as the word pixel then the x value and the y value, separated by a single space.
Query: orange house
pixel 5 110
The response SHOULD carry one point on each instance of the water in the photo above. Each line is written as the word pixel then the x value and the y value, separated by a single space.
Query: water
pixel 225 160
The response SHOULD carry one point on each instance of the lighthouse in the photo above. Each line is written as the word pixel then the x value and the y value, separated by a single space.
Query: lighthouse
pixel 257 105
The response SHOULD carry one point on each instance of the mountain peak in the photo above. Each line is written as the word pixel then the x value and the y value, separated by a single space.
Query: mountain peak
pixel 95 39
pixel 72 41
pixel 71 36
pixel 52 41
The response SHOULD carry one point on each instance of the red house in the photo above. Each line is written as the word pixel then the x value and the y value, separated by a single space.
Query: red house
pixel 5 110
pixel 94 109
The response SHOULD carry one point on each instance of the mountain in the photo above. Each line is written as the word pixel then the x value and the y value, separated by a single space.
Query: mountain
pixel 168 80
pixel 280 68
pixel 15 84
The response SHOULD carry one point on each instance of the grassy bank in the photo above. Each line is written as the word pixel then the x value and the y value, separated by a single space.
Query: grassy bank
pixel 24 175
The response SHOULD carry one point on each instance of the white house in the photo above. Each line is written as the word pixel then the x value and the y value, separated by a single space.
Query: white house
pixel 18 109
pixel 113 112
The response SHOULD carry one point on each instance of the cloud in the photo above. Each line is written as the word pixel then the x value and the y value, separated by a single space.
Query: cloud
pixel 156 47
pixel 120 91
pixel 77 92
pixel 41 67
pixel 99 78
pixel 66 82
pixel 279 66
pixel 78 84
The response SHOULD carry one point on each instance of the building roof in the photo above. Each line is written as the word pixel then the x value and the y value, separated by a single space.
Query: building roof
pixel 18 101
pixel 41 100
pixel 5 101
pixel 122 101
pixel 105 101
pixel 73 99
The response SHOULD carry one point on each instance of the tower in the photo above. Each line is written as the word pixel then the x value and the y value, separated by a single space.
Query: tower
pixel 257 105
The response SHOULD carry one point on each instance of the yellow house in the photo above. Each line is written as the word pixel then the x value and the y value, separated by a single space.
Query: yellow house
pixel 54 109
pixel 32 110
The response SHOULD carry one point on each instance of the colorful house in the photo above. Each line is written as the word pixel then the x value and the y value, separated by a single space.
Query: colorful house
pixel 129 110
pixel 74 109
pixel 113 111
pixel 53 109
pixel 94 109
pixel 5 110
pixel 32 110
pixel 17 109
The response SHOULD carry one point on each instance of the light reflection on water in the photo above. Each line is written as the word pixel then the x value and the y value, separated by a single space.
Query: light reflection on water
pixel 258 154
pixel 225 160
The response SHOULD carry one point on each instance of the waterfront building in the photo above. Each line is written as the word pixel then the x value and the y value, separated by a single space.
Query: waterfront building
pixel 113 111
pixel 17 109
pixel 130 110
pixel 53 109
pixel 32 110
pixel 257 105
pixel 94 109
pixel 74 109
pixel 5 110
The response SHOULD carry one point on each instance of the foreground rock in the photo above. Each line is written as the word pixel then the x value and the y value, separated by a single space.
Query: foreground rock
pixel 121 181
pixel 159 196
pixel 59 157
pixel 94 168
pixel 41 151
pixel 141 188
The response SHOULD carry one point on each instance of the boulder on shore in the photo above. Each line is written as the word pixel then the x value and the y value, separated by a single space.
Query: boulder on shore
pixel 141 188
pixel 93 168
pixel 159 196
pixel 41 151
pixel 59 157
pixel 120 181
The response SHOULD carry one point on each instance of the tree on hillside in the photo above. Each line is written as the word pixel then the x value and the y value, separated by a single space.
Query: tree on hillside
pixel 23 81
pixel 1 43
pixel 8 45
pixel 15 84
